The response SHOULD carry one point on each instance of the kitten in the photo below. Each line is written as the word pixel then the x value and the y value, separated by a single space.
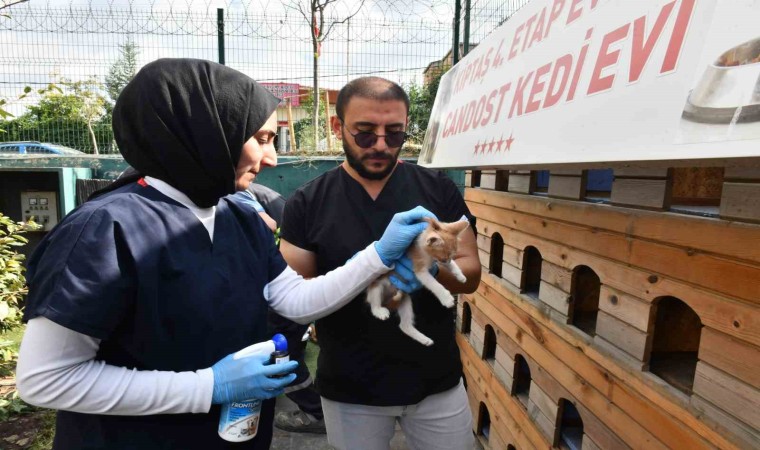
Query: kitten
pixel 438 243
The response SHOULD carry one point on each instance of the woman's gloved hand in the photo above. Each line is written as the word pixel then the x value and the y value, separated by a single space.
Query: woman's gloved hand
pixel 245 197
pixel 405 279
pixel 249 378
pixel 400 233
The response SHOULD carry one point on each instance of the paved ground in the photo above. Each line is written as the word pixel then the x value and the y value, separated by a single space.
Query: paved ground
pixel 284 440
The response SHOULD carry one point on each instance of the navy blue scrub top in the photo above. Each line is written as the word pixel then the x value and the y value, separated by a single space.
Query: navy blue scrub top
pixel 137 270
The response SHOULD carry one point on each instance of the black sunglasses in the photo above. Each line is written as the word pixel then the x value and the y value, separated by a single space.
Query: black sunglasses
pixel 366 139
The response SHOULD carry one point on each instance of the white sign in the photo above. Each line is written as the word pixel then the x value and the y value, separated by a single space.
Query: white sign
pixel 579 81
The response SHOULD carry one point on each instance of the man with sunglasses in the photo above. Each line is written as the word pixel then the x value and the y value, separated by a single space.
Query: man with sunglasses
pixel 370 375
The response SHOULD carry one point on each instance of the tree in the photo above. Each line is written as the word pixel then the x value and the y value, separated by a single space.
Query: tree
pixel 91 104
pixel 314 12
pixel 122 70
pixel 76 117
pixel 8 3
pixel 421 101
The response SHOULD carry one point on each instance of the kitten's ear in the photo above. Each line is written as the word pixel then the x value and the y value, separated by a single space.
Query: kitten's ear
pixel 432 241
pixel 458 227
pixel 434 224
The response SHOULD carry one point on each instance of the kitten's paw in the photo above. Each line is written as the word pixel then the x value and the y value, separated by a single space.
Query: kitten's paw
pixel 381 313
pixel 461 278
pixel 427 342
pixel 447 300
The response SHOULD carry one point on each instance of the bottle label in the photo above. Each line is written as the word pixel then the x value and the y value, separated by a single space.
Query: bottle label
pixel 240 420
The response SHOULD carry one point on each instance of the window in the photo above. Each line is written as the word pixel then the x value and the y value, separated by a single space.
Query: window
pixel 570 435
pixel 484 422
pixel 585 294
pixel 475 179
pixel 9 149
pixel 489 344
pixel 521 382
pixel 466 318
pixel 497 255
pixel 675 344
pixel 599 184
pixel 531 274
pixel 542 180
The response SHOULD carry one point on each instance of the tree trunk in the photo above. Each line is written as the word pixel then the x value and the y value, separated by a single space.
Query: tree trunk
pixel 92 137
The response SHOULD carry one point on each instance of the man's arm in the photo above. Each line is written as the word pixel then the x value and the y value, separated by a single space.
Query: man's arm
pixel 467 259
pixel 304 262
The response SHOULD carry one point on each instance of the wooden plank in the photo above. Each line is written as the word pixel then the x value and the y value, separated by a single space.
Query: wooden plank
pixel 468 178
pixel 728 393
pixel 554 297
pixel 524 184
pixel 642 193
pixel 732 239
pixel 644 397
pixel 723 275
pixel 572 188
pixel 742 174
pixel 588 443
pixel 506 408
pixel 625 307
pixel 623 336
pixel 555 275
pixel 488 179
pixel 545 425
pixel 591 424
pixel 504 377
pixel 499 425
pixel 726 424
pixel 732 356
pixel 511 274
pixel 636 172
pixel 722 313
pixel 545 403
pixel 740 201
pixel 543 355
pixel 503 358
pixel 567 172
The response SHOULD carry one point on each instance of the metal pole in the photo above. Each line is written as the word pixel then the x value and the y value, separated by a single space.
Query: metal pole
pixel 455 46
pixel 348 49
pixel 220 33
pixel 467 7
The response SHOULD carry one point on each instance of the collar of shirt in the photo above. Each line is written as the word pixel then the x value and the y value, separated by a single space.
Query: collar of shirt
pixel 205 215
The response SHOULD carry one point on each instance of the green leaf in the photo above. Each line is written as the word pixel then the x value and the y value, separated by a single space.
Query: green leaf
pixel 27 89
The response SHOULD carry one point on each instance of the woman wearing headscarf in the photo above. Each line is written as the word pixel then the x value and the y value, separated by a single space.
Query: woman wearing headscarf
pixel 139 297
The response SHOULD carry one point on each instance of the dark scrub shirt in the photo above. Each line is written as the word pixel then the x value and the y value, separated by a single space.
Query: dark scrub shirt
pixel 137 270
pixel 362 359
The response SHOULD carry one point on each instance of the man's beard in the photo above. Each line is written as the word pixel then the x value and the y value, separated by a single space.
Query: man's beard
pixel 356 163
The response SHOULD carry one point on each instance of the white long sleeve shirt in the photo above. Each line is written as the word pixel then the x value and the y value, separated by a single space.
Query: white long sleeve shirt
pixel 57 367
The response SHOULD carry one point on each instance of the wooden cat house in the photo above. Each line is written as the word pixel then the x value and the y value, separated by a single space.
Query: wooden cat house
pixel 618 219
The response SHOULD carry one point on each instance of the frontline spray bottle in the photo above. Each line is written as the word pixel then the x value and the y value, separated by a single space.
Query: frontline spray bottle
pixel 239 421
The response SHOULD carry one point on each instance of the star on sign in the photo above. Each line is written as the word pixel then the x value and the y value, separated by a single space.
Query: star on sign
pixel 477 146
pixel 490 145
pixel 499 143
pixel 510 141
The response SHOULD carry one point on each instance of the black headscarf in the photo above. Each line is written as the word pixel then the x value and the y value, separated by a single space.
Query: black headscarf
pixel 184 121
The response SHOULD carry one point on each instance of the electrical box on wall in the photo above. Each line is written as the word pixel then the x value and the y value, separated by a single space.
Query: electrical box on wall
pixel 40 206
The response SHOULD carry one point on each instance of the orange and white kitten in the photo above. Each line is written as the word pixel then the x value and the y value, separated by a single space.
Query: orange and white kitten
pixel 438 243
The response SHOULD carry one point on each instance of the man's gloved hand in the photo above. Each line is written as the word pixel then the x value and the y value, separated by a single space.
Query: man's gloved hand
pixel 400 233
pixel 405 279
pixel 247 378
pixel 245 197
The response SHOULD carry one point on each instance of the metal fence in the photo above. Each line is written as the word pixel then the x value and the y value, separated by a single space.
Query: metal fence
pixel 75 43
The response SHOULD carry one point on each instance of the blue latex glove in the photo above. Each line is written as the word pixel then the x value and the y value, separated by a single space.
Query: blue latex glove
pixel 405 279
pixel 245 197
pixel 236 380
pixel 400 233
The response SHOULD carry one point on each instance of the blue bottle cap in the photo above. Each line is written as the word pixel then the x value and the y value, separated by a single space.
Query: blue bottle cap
pixel 280 343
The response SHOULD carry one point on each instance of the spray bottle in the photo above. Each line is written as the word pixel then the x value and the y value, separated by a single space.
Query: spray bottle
pixel 239 421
